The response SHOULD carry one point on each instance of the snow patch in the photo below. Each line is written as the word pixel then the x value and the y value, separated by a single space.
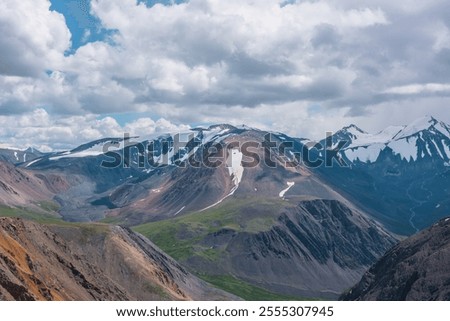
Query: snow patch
pixel 220 201
pixel 383 137
pixel 213 134
pixel 283 192
pixel 85 153
pixel 441 127
pixel 428 149
pixel 95 150
pixel 234 164
pixel 236 171
pixel 406 148
pixel 419 125
pixel 180 211
pixel 438 149
pixel 15 155
pixel 31 163
pixel 446 149
pixel 365 154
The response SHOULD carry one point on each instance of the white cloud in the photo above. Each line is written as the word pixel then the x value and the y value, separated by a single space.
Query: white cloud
pixel 419 89
pixel 41 130
pixel 300 67
pixel 33 38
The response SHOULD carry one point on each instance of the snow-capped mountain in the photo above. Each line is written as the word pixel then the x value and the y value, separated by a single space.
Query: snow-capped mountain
pixel 165 149
pixel 18 156
pixel 422 139
pixel 401 174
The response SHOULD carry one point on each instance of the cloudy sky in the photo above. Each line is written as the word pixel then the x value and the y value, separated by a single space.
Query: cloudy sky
pixel 77 70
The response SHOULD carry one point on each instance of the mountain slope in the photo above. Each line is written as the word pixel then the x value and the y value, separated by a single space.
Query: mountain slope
pixel 19 187
pixel 307 248
pixel 415 269
pixel 95 188
pixel 178 190
pixel 85 262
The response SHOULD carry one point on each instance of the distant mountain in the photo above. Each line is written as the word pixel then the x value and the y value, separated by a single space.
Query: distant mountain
pixel 16 156
pixel 425 138
pixel 401 176
pixel 415 269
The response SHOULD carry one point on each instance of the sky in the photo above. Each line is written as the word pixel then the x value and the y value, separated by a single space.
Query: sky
pixel 77 70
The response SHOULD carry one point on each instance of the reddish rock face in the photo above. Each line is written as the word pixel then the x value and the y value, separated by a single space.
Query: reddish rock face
pixel 92 262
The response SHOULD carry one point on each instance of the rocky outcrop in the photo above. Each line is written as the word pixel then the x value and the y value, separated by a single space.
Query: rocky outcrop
pixel 415 269
pixel 90 262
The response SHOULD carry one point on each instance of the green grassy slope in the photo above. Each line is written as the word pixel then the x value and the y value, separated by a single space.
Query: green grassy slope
pixel 181 237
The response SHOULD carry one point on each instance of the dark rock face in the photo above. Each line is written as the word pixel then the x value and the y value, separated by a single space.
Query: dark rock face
pixel 415 269
pixel 316 249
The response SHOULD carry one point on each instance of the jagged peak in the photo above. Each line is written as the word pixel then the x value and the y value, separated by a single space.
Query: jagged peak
pixel 352 128
pixel 32 150
pixel 422 124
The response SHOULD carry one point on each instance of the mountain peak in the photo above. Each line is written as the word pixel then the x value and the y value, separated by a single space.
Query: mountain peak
pixel 32 150
pixel 352 128
pixel 417 126
pixel 350 133
pixel 221 127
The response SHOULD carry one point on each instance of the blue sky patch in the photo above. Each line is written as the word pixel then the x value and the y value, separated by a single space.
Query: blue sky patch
pixel 83 26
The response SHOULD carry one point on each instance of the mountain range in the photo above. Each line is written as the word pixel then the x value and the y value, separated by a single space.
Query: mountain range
pixel 246 210
pixel 400 175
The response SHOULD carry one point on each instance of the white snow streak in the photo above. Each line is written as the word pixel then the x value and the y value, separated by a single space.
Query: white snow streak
pixel 180 211
pixel 31 163
pixel 234 164
pixel 283 192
